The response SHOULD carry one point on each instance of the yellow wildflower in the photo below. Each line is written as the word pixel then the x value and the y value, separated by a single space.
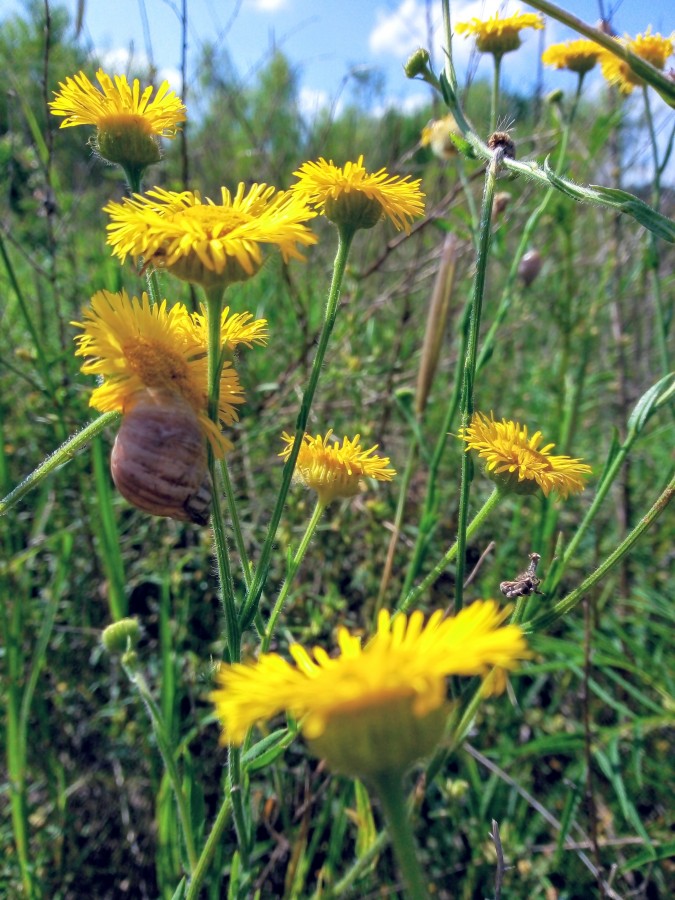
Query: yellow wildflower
pixel 208 243
pixel 335 470
pixel 373 709
pixel 353 198
pixel 517 462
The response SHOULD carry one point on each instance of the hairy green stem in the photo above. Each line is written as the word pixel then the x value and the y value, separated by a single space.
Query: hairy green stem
pixel 260 576
pixel 293 567
pixel 59 457
pixel 215 362
pixel 200 870
pixel 469 374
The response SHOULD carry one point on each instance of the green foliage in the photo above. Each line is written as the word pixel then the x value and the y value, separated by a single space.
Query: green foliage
pixel 90 806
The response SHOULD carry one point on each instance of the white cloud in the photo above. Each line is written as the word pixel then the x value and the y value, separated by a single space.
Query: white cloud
pixel 311 101
pixel 268 6
pixel 120 61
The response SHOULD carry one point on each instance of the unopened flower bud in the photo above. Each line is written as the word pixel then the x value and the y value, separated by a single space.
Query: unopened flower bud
pixel 121 636
pixel 530 266
pixel 417 64
pixel 555 97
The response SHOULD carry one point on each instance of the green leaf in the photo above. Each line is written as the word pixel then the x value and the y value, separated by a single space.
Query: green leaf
pixel 614 198
pixel 262 754
pixel 462 145
pixel 650 401
pixel 648 855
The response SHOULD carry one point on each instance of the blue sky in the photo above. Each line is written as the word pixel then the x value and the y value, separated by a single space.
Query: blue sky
pixel 328 39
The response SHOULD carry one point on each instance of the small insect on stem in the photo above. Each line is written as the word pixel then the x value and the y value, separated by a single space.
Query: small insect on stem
pixel 524 584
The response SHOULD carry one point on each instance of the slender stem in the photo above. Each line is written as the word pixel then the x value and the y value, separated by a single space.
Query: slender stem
pixel 494 100
pixel 164 745
pixel 253 596
pixel 390 791
pixel 430 501
pixel 204 861
pixel 567 604
pixel 661 318
pixel 214 312
pixel 236 524
pixel 438 569
pixel 467 401
pixel 290 575
pixel 236 782
pixel 134 176
pixel 404 484
pixel 59 457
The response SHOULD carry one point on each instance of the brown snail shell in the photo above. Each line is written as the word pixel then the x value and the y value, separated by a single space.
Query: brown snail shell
pixel 159 461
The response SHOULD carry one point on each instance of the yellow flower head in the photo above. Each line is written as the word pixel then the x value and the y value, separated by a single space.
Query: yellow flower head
pixel 517 462
pixel 208 243
pixel 352 198
pixel 578 56
pixel 652 47
pixel 127 120
pixel 335 470
pixel 133 345
pixel 238 328
pixel 498 35
pixel 376 708
pixel 437 135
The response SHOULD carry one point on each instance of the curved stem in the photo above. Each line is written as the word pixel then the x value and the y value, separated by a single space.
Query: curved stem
pixel 492 501
pixel 290 575
pixel 640 66
pixel 255 590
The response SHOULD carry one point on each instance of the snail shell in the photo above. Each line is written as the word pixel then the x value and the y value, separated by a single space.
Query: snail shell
pixel 159 462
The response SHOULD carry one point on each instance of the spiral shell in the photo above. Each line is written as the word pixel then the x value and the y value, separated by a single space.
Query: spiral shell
pixel 159 462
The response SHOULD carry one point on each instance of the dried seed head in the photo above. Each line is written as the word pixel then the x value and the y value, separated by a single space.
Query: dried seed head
pixel 502 141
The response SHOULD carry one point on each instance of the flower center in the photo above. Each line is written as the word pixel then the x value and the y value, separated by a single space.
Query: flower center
pixel 159 366
pixel 213 220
